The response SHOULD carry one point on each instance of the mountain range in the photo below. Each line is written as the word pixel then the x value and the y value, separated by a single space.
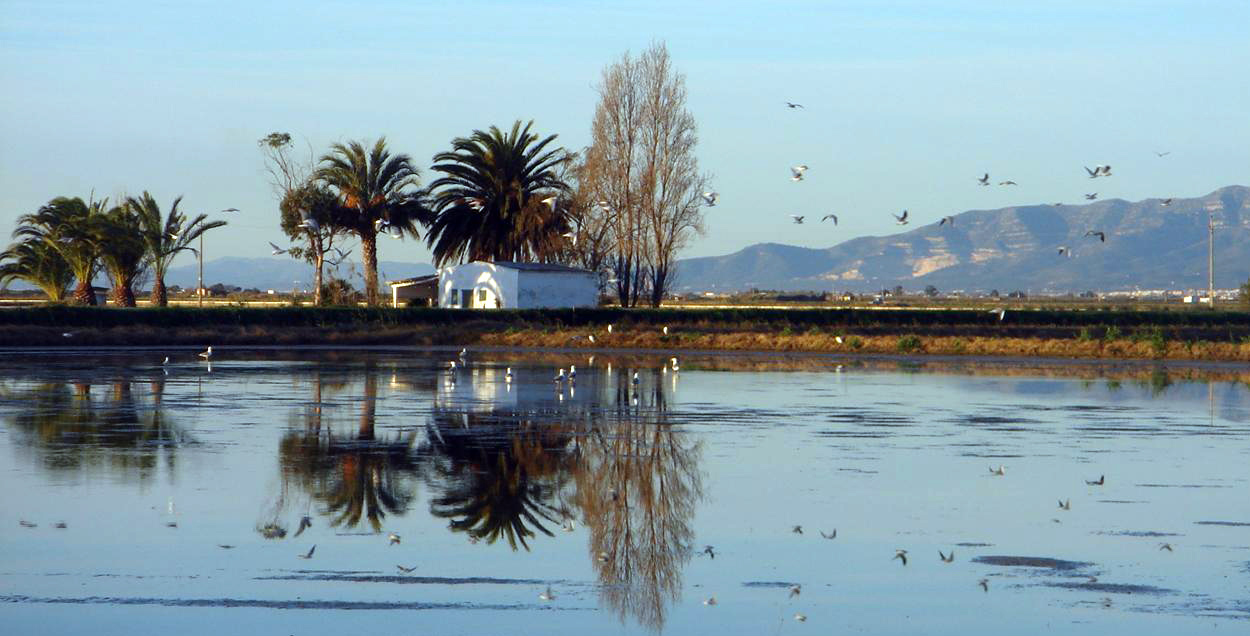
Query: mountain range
pixel 1149 245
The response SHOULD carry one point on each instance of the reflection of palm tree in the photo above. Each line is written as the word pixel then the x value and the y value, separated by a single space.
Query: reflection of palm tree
pixel 638 487
pixel 71 429
pixel 498 485
pixel 357 477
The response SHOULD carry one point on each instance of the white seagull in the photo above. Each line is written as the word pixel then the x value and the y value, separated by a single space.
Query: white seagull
pixel 1091 196
pixel 635 379
pixel 984 180
pixel 829 216
pixel 798 218
pixel 797 172
pixel 1000 471
pixel 276 250
pixel 793 105
pixel 310 552
pixel 207 353
pixel 901 219
pixel 711 197
pixel 508 375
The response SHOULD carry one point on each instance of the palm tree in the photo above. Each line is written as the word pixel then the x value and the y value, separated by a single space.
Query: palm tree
pixel 376 191
pixel 164 237
pixel 489 205
pixel 38 263
pixel 71 226
pixel 123 252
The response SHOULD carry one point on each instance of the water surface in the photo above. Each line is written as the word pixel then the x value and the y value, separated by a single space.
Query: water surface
pixel 182 488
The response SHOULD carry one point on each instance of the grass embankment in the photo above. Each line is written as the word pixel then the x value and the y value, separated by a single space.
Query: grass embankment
pixel 1191 335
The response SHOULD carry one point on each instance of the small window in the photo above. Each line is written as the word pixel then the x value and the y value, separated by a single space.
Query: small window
pixel 481 295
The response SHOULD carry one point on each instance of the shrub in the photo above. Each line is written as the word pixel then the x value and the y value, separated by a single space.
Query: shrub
pixel 1112 333
pixel 1158 342
pixel 856 342
pixel 908 343
pixel 1083 335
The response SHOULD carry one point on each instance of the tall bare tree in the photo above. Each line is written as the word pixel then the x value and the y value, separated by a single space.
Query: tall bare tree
pixel 642 169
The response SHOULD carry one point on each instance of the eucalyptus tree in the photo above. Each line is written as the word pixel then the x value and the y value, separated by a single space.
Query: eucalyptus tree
pixel 71 226
pixel 123 252
pixel 38 263
pixel 378 192
pixel 500 198
pixel 164 236
pixel 310 215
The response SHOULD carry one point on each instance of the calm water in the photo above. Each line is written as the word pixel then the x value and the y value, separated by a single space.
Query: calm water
pixel 182 490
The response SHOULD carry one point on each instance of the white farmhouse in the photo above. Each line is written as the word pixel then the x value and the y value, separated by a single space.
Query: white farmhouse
pixel 504 285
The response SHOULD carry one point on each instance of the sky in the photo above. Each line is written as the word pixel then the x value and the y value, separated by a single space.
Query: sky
pixel 905 103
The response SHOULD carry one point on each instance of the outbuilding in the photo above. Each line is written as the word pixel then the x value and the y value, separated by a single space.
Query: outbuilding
pixel 421 290
pixel 507 285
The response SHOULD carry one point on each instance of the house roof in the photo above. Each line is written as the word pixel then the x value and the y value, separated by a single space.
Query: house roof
pixel 416 280
pixel 536 267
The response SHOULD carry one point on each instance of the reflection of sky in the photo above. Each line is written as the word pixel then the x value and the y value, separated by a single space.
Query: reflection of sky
pixel 892 460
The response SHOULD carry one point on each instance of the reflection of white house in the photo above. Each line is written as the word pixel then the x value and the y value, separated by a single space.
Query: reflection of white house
pixel 503 285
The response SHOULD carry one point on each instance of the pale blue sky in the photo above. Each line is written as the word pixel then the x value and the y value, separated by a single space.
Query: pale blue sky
pixel 906 102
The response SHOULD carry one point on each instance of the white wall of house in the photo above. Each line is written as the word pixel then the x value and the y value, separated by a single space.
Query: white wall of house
pixel 482 285
pixel 540 289
pixel 485 283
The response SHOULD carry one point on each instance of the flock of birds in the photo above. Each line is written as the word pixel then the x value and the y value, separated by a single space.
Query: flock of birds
pixel 798 172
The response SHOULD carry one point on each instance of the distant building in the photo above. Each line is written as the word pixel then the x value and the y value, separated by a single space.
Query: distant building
pixel 506 285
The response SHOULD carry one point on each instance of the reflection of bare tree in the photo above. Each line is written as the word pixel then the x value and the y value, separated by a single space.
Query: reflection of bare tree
pixel 125 431
pixel 499 472
pixel 637 487
pixel 356 477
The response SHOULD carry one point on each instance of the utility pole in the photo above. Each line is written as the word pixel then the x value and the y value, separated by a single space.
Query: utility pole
pixel 199 286
pixel 1211 208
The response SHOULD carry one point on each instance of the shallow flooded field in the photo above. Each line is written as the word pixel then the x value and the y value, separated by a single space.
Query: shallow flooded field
pixel 309 491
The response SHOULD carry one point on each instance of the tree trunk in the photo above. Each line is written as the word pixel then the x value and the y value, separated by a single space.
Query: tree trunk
pixel 160 295
pixel 319 257
pixel 369 254
pixel 123 296
pixel 84 294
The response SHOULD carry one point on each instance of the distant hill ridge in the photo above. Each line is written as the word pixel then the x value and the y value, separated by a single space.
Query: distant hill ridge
pixel 1149 246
